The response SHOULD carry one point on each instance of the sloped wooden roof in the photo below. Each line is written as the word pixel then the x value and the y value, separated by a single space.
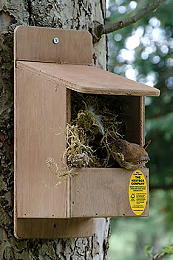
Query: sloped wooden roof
pixel 89 79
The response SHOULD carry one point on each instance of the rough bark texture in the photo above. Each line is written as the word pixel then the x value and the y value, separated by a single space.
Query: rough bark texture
pixel 66 14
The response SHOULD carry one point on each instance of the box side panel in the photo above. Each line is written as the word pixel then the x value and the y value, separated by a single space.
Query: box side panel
pixel 135 119
pixel 102 193
pixel 40 122
pixel 36 44
pixel 54 228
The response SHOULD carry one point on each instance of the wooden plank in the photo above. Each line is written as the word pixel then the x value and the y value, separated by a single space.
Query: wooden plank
pixel 134 119
pixel 102 192
pixel 36 44
pixel 89 79
pixel 142 121
pixel 40 122
pixel 54 228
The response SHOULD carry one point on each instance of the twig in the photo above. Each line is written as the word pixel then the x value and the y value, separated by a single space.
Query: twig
pixel 159 256
pixel 161 187
pixel 101 29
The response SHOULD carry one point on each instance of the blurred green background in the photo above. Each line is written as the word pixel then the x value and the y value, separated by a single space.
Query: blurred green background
pixel 144 52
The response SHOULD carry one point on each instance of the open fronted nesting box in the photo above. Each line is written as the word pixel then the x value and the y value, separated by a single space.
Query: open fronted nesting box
pixel 52 65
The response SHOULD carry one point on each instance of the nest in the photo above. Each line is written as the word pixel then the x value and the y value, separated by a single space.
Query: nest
pixel 94 118
pixel 87 142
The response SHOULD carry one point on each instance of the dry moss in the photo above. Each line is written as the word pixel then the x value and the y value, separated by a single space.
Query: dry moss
pixel 78 153
pixel 94 117
pixel 87 144
pixel 62 172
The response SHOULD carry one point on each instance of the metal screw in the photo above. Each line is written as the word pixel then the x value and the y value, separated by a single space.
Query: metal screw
pixel 56 40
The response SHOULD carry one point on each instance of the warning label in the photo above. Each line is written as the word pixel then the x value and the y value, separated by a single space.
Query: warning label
pixel 138 192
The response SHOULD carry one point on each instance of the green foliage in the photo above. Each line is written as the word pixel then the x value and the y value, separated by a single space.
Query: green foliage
pixel 144 237
pixel 144 52
pixel 162 253
pixel 149 250
pixel 167 250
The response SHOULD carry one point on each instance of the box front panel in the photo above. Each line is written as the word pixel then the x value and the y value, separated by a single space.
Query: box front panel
pixel 101 192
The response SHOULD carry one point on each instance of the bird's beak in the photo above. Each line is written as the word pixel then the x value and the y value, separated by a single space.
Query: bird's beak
pixel 145 158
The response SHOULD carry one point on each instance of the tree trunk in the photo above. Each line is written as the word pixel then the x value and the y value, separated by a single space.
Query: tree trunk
pixel 66 14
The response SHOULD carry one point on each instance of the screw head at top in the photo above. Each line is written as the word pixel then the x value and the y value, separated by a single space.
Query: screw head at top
pixel 56 40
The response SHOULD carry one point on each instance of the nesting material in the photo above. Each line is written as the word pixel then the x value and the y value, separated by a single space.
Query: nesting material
pixel 78 153
pixel 92 120
pixel 94 117
pixel 61 172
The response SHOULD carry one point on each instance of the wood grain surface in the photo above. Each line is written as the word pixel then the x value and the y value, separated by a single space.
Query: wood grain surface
pixel 40 200
pixel 101 192
pixel 54 228
pixel 134 119
pixel 40 135
pixel 89 79
pixel 36 44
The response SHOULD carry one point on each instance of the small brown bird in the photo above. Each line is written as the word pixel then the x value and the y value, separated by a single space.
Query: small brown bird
pixel 130 156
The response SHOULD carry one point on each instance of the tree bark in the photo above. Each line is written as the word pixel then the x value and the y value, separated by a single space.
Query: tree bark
pixel 66 14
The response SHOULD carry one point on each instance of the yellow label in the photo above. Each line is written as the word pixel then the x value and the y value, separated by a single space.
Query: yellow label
pixel 138 192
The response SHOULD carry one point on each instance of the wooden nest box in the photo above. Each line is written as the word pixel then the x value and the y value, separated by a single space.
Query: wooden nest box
pixel 49 65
